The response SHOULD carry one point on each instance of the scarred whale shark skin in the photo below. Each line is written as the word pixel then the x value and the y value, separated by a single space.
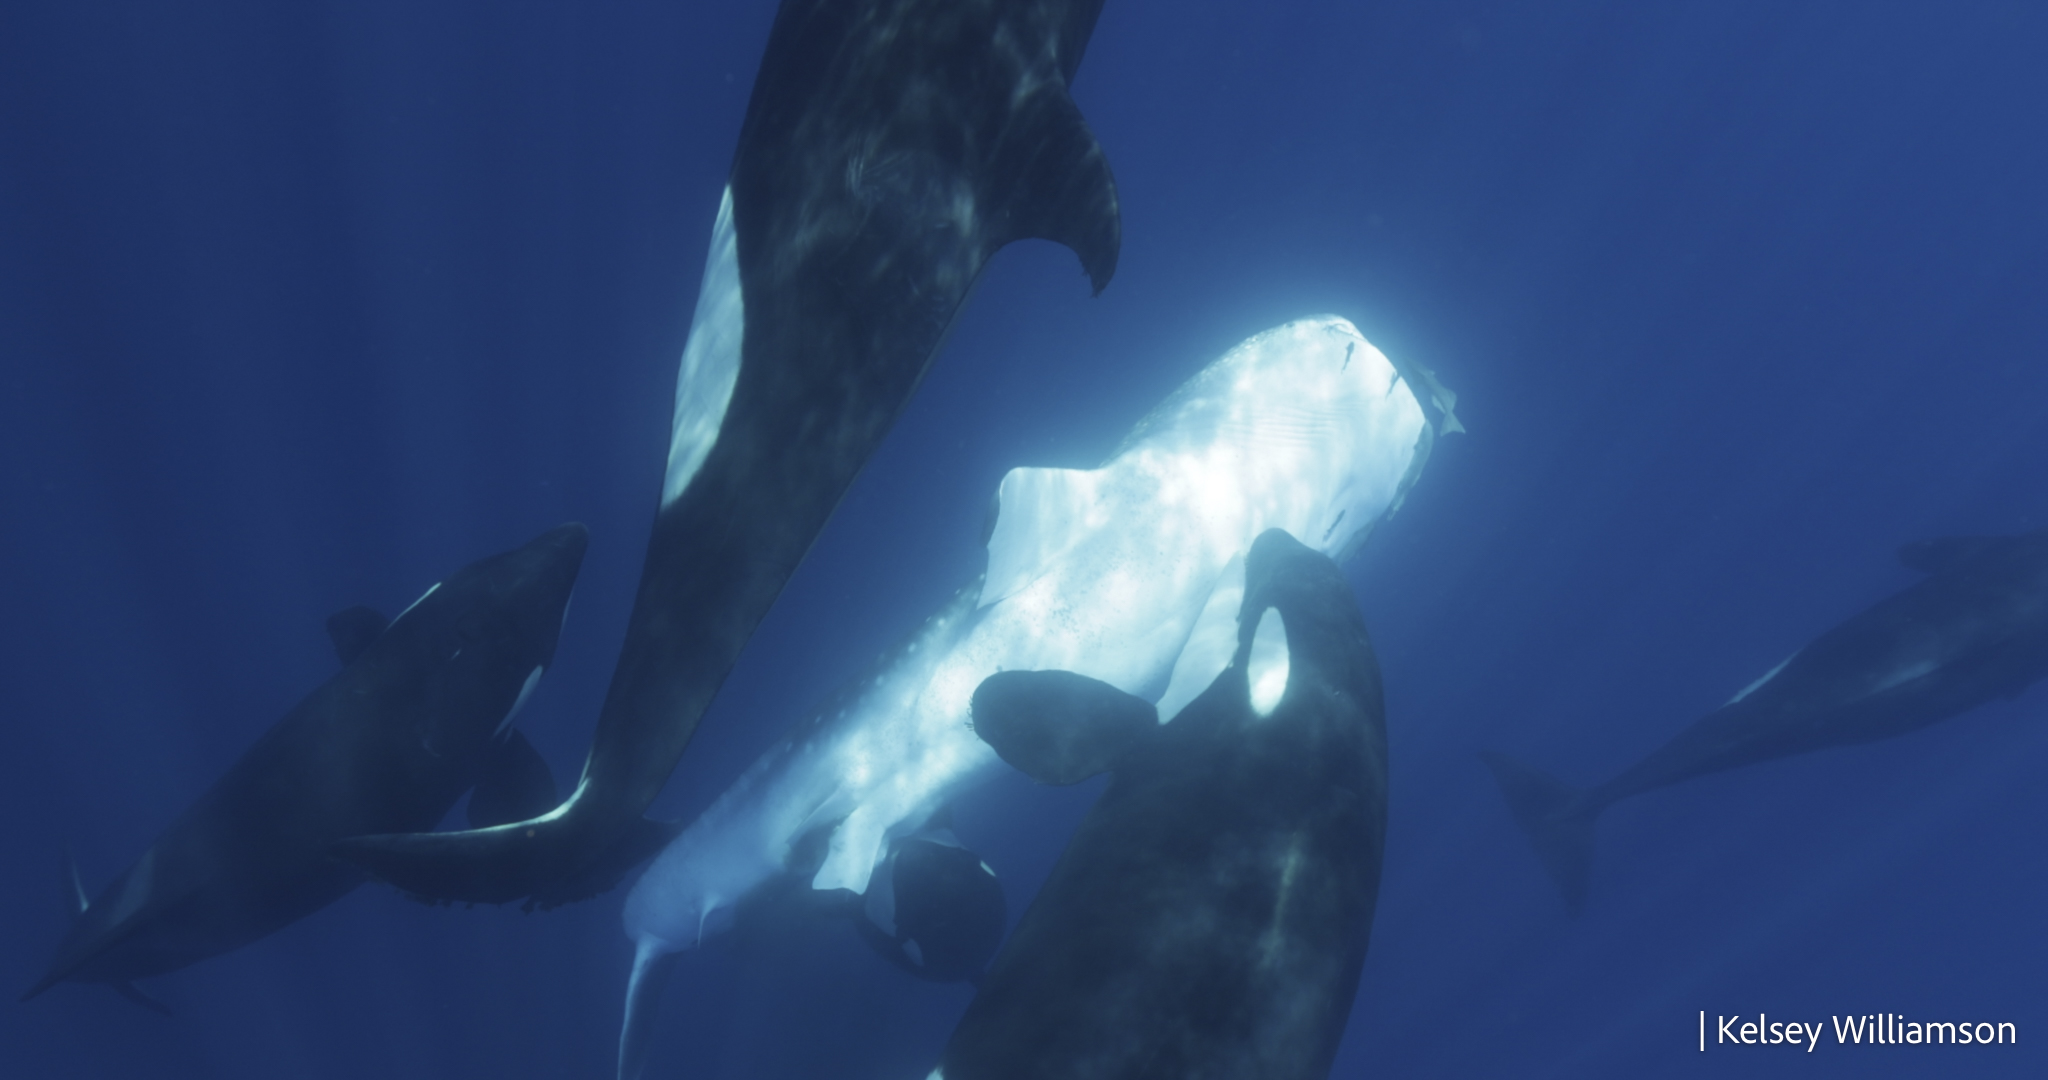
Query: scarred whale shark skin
pixel 1973 631
pixel 1210 917
pixel 889 149
pixel 1131 574
pixel 388 743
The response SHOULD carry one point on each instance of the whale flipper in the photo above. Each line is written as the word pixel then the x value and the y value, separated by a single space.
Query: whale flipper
pixel 1555 818
pixel 1058 727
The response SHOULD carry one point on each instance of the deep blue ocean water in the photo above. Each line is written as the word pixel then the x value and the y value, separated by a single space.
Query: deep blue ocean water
pixel 304 306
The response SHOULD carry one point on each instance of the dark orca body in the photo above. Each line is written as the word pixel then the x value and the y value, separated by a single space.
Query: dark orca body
pixel 1975 630
pixel 889 149
pixel 934 910
pixel 389 743
pixel 1211 914
pixel 943 913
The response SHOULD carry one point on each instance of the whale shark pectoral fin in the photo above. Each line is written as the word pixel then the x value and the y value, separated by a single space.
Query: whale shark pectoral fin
pixel 1944 553
pixel 651 970
pixel 1058 727
pixel 352 630
pixel 128 990
pixel 1554 816
pixel 516 784
pixel 1041 514
pixel 1060 188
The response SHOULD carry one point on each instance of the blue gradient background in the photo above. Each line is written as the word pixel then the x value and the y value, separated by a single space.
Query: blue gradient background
pixel 303 306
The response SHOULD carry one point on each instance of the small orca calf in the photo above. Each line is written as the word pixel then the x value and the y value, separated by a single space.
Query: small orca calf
pixel 890 148
pixel 1211 914
pixel 420 713
pixel 1975 630
pixel 933 909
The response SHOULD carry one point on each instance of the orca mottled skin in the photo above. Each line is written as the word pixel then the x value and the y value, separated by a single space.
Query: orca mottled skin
pixel 389 743
pixel 1975 630
pixel 889 149
pixel 1210 917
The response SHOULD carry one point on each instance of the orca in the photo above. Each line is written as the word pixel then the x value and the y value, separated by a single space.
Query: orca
pixel 420 708
pixel 1130 574
pixel 890 148
pixel 1211 914
pixel 1974 630
pixel 935 909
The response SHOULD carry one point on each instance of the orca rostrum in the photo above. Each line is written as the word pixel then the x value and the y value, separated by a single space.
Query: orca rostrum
pixel 890 148
pixel 420 712
pixel 1974 630
pixel 1210 916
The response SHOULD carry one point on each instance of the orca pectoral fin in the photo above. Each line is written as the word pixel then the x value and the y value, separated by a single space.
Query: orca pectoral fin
pixel 651 970
pixel 516 784
pixel 1061 188
pixel 1554 817
pixel 128 990
pixel 1058 727
pixel 353 630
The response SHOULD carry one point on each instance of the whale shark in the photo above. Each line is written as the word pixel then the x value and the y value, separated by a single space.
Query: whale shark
pixel 1973 630
pixel 420 712
pixel 889 149
pixel 1211 914
pixel 1130 574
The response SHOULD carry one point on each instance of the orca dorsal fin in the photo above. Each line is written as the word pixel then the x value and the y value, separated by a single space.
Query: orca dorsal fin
pixel 353 629
pixel 516 784
pixel 1058 727
pixel 1945 553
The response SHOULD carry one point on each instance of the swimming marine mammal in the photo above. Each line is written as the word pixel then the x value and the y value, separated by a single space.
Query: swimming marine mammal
pixel 1211 914
pixel 1974 630
pixel 420 713
pixel 1130 574
pixel 890 148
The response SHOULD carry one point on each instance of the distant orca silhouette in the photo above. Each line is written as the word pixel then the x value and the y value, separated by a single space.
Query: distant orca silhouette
pixel 890 148
pixel 420 713
pixel 1975 630
pixel 1211 914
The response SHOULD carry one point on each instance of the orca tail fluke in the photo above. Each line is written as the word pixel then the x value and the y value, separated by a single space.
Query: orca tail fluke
pixel 651 969
pixel 549 861
pixel 1556 817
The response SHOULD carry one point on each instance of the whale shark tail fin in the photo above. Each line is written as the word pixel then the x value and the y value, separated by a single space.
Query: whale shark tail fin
pixel 651 969
pixel 1557 819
